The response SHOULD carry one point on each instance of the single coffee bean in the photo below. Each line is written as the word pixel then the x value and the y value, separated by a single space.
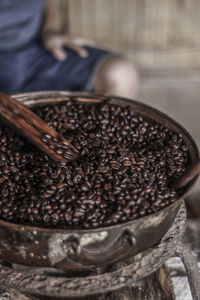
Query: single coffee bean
pixel 127 163
pixel 4 192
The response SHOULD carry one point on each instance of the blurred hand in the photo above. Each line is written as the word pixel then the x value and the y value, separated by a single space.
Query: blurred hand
pixel 55 43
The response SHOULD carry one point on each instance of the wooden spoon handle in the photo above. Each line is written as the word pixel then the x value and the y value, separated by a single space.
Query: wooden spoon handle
pixel 191 173
pixel 35 130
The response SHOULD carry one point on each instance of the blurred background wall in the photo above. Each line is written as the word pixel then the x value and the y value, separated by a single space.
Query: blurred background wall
pixel 155 34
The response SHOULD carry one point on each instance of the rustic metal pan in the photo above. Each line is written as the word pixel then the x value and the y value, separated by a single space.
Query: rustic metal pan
pixel 78 250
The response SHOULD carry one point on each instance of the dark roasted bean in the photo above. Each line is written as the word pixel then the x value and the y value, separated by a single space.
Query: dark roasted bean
pixel 124 171
pixel 127 163
pixel 103 169
pixel 4 192
pixel 60 186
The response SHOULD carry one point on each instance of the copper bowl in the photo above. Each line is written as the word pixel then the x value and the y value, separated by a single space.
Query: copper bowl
pixel 81 249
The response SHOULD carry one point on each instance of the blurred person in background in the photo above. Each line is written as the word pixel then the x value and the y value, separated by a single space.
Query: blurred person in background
pixel 36 55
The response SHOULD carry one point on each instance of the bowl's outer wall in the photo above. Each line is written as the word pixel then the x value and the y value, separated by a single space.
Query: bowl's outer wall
pixel 78 250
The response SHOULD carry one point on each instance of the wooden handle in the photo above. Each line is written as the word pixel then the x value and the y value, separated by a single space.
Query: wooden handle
pixel 190 174
pixel 35 130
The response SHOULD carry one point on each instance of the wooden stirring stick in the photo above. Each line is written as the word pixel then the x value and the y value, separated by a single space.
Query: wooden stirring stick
pixel 35 130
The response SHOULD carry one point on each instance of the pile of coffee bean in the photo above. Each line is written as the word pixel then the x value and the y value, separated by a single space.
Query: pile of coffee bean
pixel 125 168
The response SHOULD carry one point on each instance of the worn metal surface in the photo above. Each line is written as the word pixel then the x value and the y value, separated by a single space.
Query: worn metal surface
pixel 82 249
pixel 77 250
pixel 144 264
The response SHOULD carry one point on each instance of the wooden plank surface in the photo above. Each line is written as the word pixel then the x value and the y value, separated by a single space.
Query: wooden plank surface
pixel 154 34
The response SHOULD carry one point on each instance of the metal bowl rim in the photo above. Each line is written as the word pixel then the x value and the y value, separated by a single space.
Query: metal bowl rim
pixel 53 94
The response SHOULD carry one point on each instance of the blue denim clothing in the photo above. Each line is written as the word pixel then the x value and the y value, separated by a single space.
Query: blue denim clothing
pixel 20 22
pixel 25 65
pixel 33 68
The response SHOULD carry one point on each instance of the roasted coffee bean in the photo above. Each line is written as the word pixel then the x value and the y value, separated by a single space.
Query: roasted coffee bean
pixel 60 186
pixel 4 192
pixel 127 163
pixel 103 169
pixel 2 179
pixel 124 171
